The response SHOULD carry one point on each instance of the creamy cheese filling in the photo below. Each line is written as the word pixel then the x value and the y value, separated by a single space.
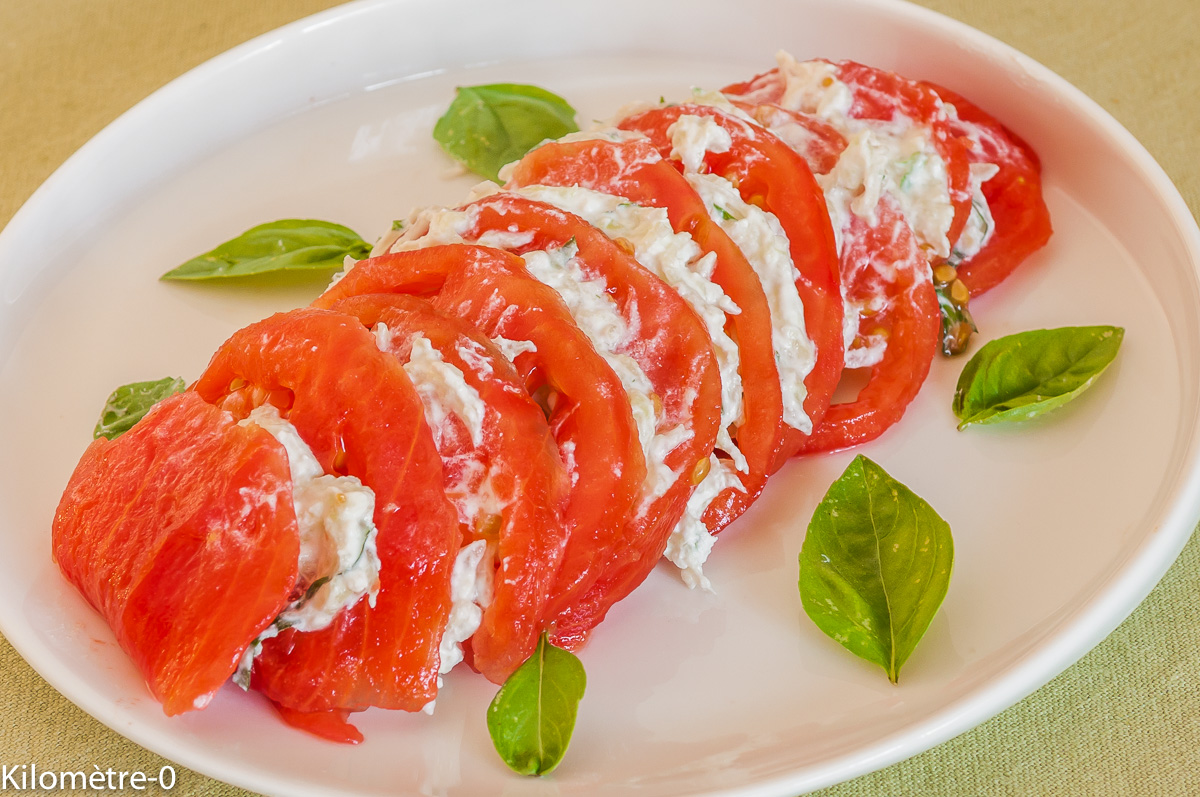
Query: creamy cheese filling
pixel 338 558
pixel 896 156
pixel 677 260
pixel 765 244
pixel 691 542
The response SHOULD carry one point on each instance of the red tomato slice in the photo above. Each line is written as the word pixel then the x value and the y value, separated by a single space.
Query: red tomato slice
pixel 584 400
pixel 181 533
pixel 635 170
pixel 1014 195
pixel 358 412
pixel 517 462
pixel 887 273
pixel 669 342
pixel 886 97
pixel 769 174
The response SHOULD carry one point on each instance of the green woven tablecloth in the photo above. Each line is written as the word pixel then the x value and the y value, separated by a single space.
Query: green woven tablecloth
pixel 1125 720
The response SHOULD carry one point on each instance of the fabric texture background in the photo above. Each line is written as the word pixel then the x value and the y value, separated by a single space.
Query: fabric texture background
pixel 1123 720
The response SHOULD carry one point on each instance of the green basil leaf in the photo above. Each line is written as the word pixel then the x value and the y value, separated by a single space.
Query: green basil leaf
pixel 489 126
pixel 127 404
pixel 533 714
pixel 1030 373
pixel 284 245
pixel 875 565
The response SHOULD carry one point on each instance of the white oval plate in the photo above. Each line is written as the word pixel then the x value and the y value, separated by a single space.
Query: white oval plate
pixel 1061 525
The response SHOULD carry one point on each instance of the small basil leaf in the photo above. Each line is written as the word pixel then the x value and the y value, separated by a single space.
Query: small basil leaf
pixel 489 126
pixel 127 404
pixel 532 716
pixel 1030 373
pixel 284 245
pixel 875 565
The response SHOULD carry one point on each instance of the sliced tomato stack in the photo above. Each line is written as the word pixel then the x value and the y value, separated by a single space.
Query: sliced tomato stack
pixel 590 404
pixel 603 561
pixel 774 178
pixel 886 275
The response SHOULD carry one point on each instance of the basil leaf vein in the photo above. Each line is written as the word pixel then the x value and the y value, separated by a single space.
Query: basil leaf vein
pixel 489 126
pixel 875 565
pixel 1031 373
pixel 283 245
pixel 532 717
pixel 128 404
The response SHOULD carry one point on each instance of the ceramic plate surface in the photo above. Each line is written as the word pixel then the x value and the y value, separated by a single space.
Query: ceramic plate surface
pixel 1061 525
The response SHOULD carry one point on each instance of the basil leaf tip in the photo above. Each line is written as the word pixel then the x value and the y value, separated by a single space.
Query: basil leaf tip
pixel 875 565
pixel 1028 374
pixel 533 715
pixel 283 245
pixel 489 126
pixel 129 403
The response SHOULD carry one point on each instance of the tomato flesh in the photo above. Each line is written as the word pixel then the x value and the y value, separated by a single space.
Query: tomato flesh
pixel 181 534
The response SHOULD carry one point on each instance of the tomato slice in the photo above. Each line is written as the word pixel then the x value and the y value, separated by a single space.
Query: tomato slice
pixel 634 169
pixel 772 176
pixel 584 400
pixel 882 96
pixel 181 533
pixel 512 486
pixel 1014 195
pixel 889 277
pixel 359 413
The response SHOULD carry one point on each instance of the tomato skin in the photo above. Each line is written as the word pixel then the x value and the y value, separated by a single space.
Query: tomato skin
pixel 884 265
pixel 158 531
pixel 358 412
pixel 635 170
pixel 518 457
pixel 1014 195
pixel 769 174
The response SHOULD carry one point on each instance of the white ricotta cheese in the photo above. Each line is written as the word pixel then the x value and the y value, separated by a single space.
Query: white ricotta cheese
pixel 690 542
pixel 338 557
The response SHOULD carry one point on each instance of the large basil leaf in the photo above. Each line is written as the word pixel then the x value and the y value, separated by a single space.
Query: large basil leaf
pixel 875 565
pixel 129 403
pixel 533 714
pixel 284 245
pixel 489 126
pixel 1024 375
